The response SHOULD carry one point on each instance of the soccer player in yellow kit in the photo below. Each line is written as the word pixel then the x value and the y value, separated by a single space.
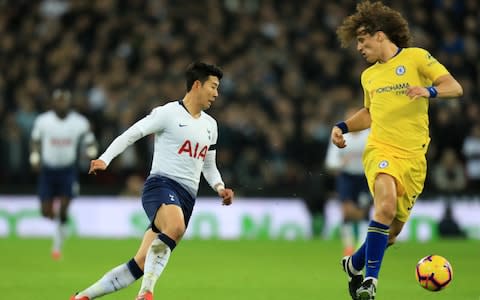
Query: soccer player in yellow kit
pixel 397 88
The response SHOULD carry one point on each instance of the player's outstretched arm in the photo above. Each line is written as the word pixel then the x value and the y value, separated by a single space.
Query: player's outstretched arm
pixel 97 165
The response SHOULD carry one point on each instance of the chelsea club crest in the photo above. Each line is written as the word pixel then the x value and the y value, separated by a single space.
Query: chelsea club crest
pixel 383 164
pixel 400 70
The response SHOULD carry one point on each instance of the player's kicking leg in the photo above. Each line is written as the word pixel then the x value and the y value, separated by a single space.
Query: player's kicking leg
pixel 121 276
pixel 378 236
pixel 377 239
pixel 169 220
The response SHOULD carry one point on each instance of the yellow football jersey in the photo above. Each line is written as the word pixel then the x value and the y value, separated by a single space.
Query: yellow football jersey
pixel 399 123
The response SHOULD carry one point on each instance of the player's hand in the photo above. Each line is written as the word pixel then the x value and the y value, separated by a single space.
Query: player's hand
pixel 35 161
pixel 97 165
pixel 415 92
pixel 337 137
pixel 226 195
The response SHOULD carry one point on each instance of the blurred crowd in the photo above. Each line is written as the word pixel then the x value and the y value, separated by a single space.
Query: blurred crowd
pixel 286 82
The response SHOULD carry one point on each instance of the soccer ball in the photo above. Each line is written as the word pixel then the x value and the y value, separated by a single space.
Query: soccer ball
pixel 434 273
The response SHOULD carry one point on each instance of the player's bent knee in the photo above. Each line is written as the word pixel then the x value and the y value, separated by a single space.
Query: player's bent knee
pixel 387 211
pixel 158 246
pixel 175 231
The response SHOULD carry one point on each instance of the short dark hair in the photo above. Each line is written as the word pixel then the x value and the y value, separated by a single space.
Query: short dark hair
pixel 201 71
pixel 375 17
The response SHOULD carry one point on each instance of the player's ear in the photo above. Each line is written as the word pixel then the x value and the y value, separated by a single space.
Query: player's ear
pixel 381 36
pixel 197 84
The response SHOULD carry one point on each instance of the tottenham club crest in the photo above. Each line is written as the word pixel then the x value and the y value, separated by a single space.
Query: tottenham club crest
pixel 383 164
pixel 400 70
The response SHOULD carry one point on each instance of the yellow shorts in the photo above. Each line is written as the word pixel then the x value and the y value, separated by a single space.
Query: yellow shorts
pixel 409 174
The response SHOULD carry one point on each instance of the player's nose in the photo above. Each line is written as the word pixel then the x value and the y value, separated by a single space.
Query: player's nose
pixel 359 47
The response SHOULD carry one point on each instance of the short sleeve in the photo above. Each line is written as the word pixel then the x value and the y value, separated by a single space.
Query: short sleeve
pixel 366 94
pixel 428 65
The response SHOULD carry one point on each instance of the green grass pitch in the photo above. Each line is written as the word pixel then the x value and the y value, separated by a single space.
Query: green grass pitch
pixel 234 270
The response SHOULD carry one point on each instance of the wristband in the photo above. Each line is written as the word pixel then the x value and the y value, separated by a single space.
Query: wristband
pixel 432 91
pixel 343 126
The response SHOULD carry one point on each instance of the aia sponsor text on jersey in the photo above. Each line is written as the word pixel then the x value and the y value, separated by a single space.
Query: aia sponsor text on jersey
pixel 196 151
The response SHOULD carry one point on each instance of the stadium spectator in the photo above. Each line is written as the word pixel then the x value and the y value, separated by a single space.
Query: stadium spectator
pixel 133 186
pixel 118 56
pixel 448 174
pixel 448 226
pixel 471 151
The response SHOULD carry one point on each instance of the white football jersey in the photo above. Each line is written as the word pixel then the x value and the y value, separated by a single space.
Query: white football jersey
pixel 348 159
pixel 59 138
pixel 181 146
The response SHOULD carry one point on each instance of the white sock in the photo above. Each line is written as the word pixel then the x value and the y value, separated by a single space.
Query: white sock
pixel 346 231
pixel 59 235
pixel 114 280
pixel 155 262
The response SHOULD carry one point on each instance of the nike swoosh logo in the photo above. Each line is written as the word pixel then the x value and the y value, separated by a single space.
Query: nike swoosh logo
pixel 373 261
pixel 182 125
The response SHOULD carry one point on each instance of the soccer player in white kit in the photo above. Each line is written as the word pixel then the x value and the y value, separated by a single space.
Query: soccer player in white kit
pixel 185 140
pixel 57 136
